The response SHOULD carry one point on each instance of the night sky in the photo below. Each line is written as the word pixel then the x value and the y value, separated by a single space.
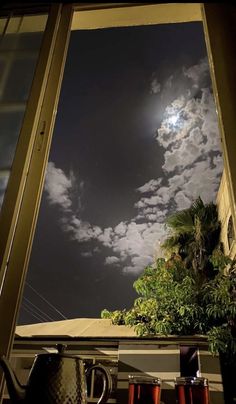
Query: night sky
pixel 135 135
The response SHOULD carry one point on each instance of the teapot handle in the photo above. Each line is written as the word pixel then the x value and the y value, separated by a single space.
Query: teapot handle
pixel 107 382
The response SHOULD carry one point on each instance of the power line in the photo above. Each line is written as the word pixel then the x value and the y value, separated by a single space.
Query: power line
pixel 31 313
pixel 45 300
pixel 40 316
pixel 41 311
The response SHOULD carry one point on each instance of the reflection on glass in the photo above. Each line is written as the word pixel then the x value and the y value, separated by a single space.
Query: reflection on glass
pixel 19 50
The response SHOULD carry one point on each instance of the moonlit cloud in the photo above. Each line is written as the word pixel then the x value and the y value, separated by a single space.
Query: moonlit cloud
pixel 112 260
pixel 155 86
pixel 169 81
pixel 198 73
pixel 150 186
pixel 80 230
pixel 190 139
pixel 121 229
pixel 192 167
pixel 131 242
pixel 58 187
pixel 86 254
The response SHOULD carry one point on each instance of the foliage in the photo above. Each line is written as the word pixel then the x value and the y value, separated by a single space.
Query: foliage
pixel 194 236
pixel 172 303
pixel 176 298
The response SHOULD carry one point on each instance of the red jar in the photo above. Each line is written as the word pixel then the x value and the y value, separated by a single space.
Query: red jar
pixel 192 390
pixel 144 390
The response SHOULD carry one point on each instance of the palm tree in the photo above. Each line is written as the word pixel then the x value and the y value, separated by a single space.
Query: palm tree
pixel 194 234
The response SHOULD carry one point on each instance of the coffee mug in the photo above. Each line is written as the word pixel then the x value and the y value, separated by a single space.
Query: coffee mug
pixel 192 390
pixel 144 390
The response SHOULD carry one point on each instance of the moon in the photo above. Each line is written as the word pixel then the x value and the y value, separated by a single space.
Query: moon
pixel 173 119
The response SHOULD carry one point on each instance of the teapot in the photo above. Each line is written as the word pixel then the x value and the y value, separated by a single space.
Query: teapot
pixel 55 378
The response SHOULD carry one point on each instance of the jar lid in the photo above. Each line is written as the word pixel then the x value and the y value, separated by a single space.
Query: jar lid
pixel 144 379
pixel 196 381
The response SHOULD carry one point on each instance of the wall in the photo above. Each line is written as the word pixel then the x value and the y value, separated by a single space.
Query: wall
pixel 158 357
pixel 162 359
pixel 224 213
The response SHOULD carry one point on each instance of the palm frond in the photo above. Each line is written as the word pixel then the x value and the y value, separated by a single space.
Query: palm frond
pixel 197 206
pixel 171 243
pixel 181 222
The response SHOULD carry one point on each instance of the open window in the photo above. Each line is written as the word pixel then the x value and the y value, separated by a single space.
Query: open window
pixel 22 199
pixel 136 129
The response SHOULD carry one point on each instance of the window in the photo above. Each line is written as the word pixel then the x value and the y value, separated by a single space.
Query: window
pixel 19 50
pixel 230 232
pixel 19 215
pixel 189 364
pixel 135 132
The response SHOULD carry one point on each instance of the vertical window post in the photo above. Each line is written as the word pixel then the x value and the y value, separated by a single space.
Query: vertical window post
pixel 42 108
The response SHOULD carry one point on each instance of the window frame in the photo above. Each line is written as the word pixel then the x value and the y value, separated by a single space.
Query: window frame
pixel 22 200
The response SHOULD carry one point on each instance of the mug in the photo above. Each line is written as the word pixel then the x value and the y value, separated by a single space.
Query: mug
pixel 144 390
pixel 192 390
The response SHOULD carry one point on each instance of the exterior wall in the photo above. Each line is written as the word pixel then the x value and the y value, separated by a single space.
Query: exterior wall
pixel 210 368
pixel 148 359
pixel 155 357
pixel 106 353
pixel 224 213
pixel 163 360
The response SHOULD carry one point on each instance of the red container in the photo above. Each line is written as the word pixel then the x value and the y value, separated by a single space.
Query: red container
pixel 192 390
pixel 144 390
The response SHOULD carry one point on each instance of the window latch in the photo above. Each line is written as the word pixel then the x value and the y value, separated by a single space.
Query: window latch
pixel 41 135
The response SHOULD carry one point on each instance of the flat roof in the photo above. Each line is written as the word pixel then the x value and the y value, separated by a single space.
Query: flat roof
pixel 78 327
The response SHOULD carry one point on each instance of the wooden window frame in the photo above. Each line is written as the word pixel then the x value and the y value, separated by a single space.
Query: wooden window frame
pixel 22 199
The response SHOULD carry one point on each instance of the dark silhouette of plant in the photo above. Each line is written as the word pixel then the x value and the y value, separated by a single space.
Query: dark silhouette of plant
pixel 194 234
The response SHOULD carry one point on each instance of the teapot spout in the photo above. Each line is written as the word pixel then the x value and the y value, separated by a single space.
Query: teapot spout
pixel 16 391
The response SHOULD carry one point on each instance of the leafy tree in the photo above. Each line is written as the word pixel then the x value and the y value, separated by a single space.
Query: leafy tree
pixel 172 300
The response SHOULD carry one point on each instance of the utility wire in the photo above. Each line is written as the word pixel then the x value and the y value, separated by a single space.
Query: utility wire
pixel 30 312
pixel 35 313
pixel 45 300
pixel 41 311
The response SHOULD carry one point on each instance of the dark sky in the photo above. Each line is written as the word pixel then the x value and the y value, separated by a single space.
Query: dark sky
pixel 135 130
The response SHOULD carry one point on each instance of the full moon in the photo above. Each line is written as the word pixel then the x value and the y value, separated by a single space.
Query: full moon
pixel 173 119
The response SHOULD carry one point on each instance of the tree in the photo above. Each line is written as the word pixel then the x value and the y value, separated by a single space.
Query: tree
pixel 194 234
pixel 172 300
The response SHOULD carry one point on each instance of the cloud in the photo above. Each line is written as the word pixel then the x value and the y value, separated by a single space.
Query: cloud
pixel 86 254
pixel 81 230
pixel 169 82
pixel 131 242
pixel 121 229
pixel 138 263
pixel 189 138
pixel 150 186
pixel 155 86
pixel 138 245
pixel 198 73
pixel 58 186
pixel 112 260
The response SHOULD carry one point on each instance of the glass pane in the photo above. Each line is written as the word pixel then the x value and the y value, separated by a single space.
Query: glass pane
pixel 136 138
pixel 19 49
